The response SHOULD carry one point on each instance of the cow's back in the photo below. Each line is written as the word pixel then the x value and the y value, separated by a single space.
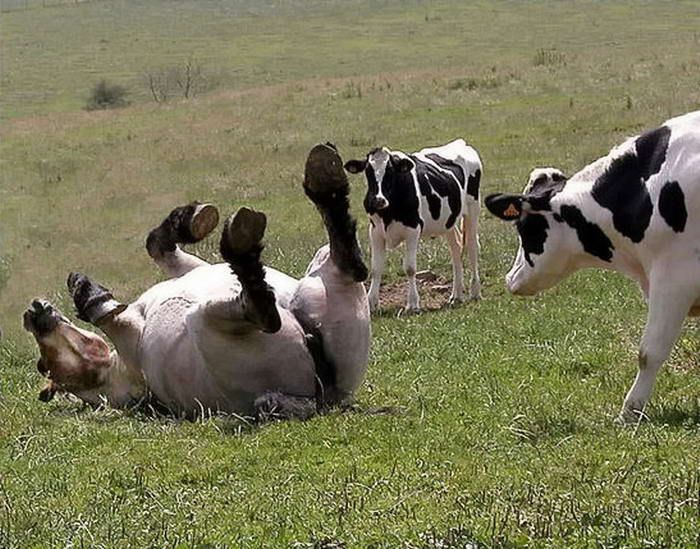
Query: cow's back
pixel 447 179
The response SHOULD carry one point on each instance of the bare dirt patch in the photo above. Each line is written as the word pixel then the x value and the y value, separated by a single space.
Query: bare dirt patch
pixel 434 291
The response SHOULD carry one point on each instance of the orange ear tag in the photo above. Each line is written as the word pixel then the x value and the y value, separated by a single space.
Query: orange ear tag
pixel 511 211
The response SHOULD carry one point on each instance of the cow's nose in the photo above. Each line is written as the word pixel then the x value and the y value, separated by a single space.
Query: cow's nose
pixel 41 318
pixel 380 203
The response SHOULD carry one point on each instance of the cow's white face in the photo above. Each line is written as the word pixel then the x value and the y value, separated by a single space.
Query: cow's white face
pixel 547 240
pixel 542 260
pixel 383 171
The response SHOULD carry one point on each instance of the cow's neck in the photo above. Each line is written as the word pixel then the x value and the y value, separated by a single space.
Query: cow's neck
pixel 625 258
pixel 124 384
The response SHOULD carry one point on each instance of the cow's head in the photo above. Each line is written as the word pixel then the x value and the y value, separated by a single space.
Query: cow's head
pixel 547 239
pixel 384 171
pixel 542 179
pixel 74 360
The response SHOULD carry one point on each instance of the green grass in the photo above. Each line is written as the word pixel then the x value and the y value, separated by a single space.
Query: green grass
pixel 504 435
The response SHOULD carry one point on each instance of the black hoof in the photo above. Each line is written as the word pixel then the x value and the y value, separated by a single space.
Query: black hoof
pixel 244 231
pixel 92 301
pixel 184 225
pixel 324 171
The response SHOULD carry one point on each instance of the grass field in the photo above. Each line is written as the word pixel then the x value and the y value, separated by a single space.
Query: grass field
pixel 503 434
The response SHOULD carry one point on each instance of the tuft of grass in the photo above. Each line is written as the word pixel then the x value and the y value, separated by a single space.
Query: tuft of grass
pixel 548 57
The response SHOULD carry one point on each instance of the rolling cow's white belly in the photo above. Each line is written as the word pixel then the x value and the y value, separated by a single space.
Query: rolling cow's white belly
pixel 190 364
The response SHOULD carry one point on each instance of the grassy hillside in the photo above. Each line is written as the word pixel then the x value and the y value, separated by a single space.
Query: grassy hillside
pixel 504 434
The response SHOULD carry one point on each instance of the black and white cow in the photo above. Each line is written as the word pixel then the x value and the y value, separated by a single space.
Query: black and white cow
pixel 636 211
pixel 426 193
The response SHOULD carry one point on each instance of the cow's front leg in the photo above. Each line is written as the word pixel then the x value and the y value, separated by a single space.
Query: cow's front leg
pixel 122 323
pixel 184 225
pixel 453 242
pixel 668 306
pixel 410 262
pixel 241 247
pixel 378 252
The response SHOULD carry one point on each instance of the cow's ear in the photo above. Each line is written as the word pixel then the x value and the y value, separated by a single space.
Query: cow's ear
pixel 506 206
pixel 401 164
pixel 559 177
pixel 355 166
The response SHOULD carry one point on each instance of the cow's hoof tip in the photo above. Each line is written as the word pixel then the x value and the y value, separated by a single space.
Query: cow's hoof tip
pixel 204 220
pixel 324 171
pixel 629 417
pixel 245 230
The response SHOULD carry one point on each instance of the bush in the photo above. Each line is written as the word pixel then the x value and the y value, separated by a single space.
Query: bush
pixel 107 96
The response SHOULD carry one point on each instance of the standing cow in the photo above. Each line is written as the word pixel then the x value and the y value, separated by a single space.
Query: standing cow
pixel 636 211
pixel 410 196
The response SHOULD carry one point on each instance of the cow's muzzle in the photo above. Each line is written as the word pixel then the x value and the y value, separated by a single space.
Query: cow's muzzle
pixel 379 203
pixel 41 318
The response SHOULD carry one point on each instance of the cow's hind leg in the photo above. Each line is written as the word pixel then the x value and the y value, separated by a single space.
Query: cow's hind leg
pixel 470 232
pixel 326 184
pixel 452 237
pixel 241 247
pixel 184 225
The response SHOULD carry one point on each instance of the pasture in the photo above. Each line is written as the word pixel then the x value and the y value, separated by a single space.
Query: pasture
pixel 501 428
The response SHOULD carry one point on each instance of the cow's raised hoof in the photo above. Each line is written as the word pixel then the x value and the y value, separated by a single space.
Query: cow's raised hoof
pixel 184 225
pixel 244 231
pixel 93 302
pixel 241 246
pixel 324 173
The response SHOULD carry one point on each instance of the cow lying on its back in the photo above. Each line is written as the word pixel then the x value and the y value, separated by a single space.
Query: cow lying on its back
pixel 634 211
pixel 428 193
pixel 234 337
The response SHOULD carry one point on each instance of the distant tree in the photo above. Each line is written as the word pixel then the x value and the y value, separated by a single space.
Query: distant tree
pixel 185 80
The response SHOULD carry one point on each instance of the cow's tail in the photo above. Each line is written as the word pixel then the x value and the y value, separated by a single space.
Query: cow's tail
pixel 461 231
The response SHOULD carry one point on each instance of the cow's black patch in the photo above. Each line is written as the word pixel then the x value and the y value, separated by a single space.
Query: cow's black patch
pixel 399 190
pixel 622 190
pixel 449 165
pixel 591 236
pixel 651 150
pixel 540 197
pixel 533 234
pixel 432 181
pixel 372 190
pixel 473 184
pixel 672 206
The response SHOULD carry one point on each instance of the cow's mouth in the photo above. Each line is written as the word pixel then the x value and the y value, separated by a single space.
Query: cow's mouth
pixel 41 318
